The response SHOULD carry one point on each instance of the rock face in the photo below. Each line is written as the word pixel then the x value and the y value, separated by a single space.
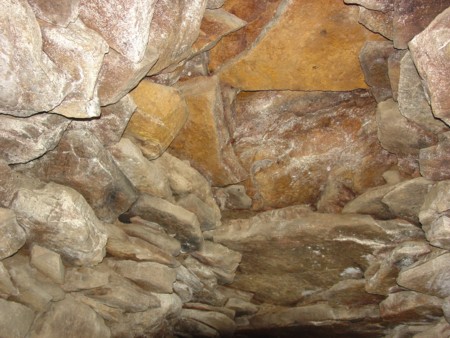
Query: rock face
pixel 306 61
pixel 280 147
pixel 13 237
pixel 16 319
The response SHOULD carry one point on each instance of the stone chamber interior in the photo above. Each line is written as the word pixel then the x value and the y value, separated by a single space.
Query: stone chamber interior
pixel 225 168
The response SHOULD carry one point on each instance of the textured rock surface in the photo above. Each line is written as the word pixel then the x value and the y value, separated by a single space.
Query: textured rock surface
pixel 15 320
pixel 71 163
pixel 432 160
pixel 204 140
pixel 12 235
pixel 48 262
pixel 33 83
pixel 60 219
pixel 61 14
pixel 23 140
pixel 161 114
pixel 310 56
pixel 430 53
pixel 294 155
pixel 79 51
pixel 377 21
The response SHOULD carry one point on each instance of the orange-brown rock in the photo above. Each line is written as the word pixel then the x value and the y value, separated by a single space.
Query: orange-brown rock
pixel 257 13
pixel 309 45
pixel 204 140
pixel 160 115
pixel 302 146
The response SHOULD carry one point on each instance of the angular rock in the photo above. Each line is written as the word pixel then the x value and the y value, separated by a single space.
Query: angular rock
pixel 183 291
pixel 430 277
pixel 71 163
pixel 69 318
pixel 119 75
pixel 23 140
pixel 215 24
pixel 374 63
pixel 214 4
pixel 148 177
pixel 174 29
pixel 138 250
pixel 84 278
pixel 241 306
pixel 377 21
pixel 218 321
pixel 295 154
pixel 157 237
pixel 161 113
pixel 205 132
pixel 108 313
pixel 437 203
pixel 438 232
pixel 206 215
pixel 257 13
pixel 311 51
pixel 125 25
pixel 410 306
pixel 429 50
pixel 48 262
pixel 411 17
pixel 233 197
pixel 376 5
pixel 123 294
pixel 110 126
pixel 6 286
pixel 399 135
pixel 59 218
pixel 412 99
pixel 15 320
pixel 148 275
pixel 446 309
pixel 186 325
pixel 12 236
pixel 177 220
pixel 406 198
pixel 441 329
pixel 433 160
pixel 32 83
pixel 62 14
pixel 79 51
pixel 394 61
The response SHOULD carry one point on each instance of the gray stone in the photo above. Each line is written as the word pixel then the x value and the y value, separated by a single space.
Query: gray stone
pixel 79 51
pixel 213 4
pixel 60 219
pixel 83 278
pixel 23 140
pixel 15 320
pixel 436 203
pixel 61 14
pixel 48 263
pixel 12 236
pixel 32 82
pixel 438 232
pixel 183 291
pixel 69 318
pixel 394 62
pixel 433 160
pixel 177 220
pixel 72 163
pixel 148 275
pixel 233 197
pixel 206 215
pixel 370 203
pixel 431 277
pixel 148 177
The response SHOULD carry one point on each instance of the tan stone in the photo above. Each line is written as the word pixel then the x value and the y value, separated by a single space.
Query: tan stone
pixel 48 262
pixel 377 21
pixel 204 140
pixel 160 115
pixel 257 13
pixel 311 45
pixel 59 13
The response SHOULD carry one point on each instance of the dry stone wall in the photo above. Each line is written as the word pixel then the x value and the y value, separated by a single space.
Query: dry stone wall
pixel 224 168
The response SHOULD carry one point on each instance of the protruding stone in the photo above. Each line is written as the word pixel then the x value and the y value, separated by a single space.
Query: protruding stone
pixel 376 5
pixel 377 21
pixel 48 262
pixel 394 71
pixel 433 160
pixel 220 322
pixel 69 318
pixel 109 127
pixel 241 306
pixel 84 278
pixel 61 14
pixel 233 197
pixel 23 140
pixel 214 4
pixel 399 135
pixel 370 203
pixel 71 164
pixel 79 51
pixel 438 232
pixel 206 215
pixel 148 275
pixel 303 34
pixel 205 132
pixel 161 114
pixel 441 329
pixel 125 25
pixel 429 50
pixel 110 314
pixel 410 306
pixel 374 63
pixel 32 83
pixel 59 218
pixel 12 236
pixel 148 177
pixel 16 319
pixel 430 277
pixel 177 220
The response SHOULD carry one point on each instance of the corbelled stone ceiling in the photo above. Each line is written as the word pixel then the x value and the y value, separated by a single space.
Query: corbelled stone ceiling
pixel 224 168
